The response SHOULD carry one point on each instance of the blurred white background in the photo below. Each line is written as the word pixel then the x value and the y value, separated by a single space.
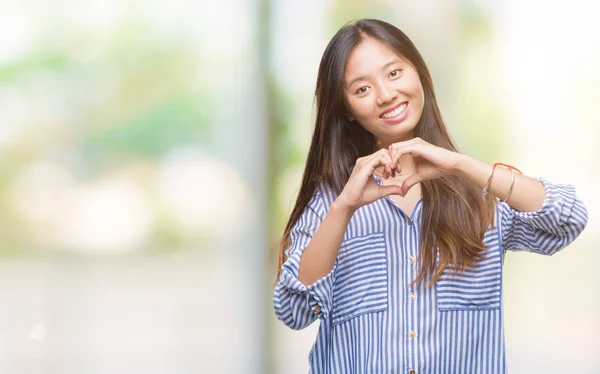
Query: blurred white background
pixel 150 153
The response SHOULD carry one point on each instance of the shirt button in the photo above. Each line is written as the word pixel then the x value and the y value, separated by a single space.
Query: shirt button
pixel 412 334
pixel 411 259
pixel 411 371
pixel 411 297
pixel 317 309
pixel 409 221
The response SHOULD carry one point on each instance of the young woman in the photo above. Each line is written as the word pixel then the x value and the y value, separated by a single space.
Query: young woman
pixel 396 241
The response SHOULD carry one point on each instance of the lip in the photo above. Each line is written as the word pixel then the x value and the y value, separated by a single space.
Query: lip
pixel 399 117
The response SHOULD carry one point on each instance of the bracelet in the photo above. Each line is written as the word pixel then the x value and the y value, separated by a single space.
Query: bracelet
pixel 489 181
pixel 512 183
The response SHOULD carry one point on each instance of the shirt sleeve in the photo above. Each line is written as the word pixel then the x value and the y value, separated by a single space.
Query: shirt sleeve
pixel 295 304
pixel 559 221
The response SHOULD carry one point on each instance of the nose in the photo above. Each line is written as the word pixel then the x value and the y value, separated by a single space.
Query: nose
pixel 385 94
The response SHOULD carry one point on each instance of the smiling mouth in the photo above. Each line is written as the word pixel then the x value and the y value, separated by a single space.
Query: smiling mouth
pixel 394 113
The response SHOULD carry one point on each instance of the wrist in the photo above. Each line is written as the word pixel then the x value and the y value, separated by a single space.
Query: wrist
pixel 473 170
pixel 460 165
pixel 339 206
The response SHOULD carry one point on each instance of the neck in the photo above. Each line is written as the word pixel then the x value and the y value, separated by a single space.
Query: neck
pixel 385 143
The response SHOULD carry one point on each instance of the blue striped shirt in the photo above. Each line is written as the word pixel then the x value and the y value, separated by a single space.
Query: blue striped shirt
pixel 372 321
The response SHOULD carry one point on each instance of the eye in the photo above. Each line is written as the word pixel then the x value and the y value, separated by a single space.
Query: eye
pixel 362 90
pixel 395 73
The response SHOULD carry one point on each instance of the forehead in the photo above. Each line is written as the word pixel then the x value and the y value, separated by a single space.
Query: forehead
pixel 369 57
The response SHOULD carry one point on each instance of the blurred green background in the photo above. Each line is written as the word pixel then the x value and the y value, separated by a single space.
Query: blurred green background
pixel 150 153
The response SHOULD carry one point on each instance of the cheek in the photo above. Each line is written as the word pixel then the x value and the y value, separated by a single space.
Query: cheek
pixel 421 96
pixel 358 107
pixel 417 88
pixel 354 107
pixel 418 92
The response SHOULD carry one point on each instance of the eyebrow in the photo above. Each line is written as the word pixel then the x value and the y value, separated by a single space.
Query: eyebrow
pixel 395 61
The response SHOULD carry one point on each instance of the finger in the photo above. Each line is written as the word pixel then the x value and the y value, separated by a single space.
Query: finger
pixel 380 158
pixel 391 153
pixel 395 153
pixel 361 162
pixel 394 148
pixel 372 162
pixel 415 149
pixel 392 189
pixel 412 179
pixel 387 163
pixel 376 159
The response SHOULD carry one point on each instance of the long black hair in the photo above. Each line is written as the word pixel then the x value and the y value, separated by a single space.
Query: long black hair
pixel 455 216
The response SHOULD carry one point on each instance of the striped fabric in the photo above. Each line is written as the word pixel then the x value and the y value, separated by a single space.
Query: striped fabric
pixel 371 321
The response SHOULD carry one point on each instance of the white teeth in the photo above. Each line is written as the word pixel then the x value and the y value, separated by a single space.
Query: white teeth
pixel 395 112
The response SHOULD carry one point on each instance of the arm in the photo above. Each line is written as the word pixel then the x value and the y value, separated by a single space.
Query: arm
pixel 319 256
pixel 528 193
pixel 539 216
pixel 304 290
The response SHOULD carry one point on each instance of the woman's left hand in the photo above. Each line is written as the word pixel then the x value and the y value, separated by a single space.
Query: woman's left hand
pixel 431 161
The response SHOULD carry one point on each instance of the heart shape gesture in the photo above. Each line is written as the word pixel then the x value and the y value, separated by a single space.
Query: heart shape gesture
pixel 431 162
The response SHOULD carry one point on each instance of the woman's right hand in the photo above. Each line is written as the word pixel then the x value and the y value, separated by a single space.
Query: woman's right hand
pixel 361 189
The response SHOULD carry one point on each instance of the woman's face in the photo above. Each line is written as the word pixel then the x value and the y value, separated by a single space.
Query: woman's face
pixel 383 92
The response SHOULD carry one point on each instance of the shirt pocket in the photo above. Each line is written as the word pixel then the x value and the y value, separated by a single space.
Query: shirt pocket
pixel 361 278
pixel 479 287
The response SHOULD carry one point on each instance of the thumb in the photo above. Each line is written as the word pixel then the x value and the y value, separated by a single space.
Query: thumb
pixel 391 190
pixel 412 179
